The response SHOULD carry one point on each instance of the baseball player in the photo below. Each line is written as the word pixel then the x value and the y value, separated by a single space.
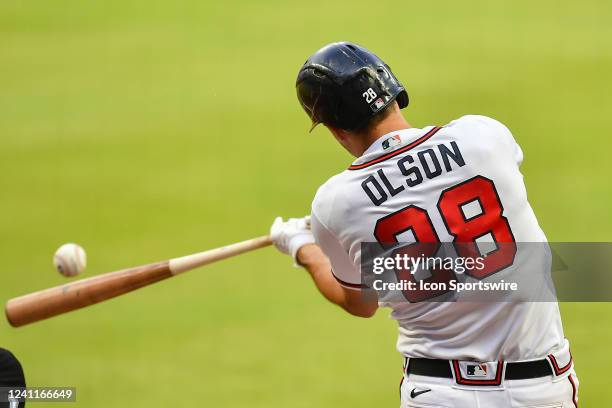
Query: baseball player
pixel 11 377
pixel 455 183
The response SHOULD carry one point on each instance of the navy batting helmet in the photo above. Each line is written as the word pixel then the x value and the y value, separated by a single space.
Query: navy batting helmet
pixel 344 85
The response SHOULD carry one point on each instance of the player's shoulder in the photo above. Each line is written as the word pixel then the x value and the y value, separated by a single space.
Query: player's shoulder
pixel 329 193
pixel 486 135
pixel 480 122
pixel 329 189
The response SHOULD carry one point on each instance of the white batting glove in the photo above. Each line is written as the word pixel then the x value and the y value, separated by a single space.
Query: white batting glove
pixel 289 236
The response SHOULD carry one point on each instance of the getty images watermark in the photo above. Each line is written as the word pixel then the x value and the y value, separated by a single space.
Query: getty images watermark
pixel 487 271
pixel 404 263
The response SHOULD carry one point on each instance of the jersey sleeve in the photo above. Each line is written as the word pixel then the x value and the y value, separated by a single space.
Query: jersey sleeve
pixel 343 268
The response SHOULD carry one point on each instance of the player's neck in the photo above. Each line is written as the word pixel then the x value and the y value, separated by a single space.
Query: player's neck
pixel 392 123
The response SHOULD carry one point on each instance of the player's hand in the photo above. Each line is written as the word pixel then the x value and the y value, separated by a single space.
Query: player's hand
pixel 289 236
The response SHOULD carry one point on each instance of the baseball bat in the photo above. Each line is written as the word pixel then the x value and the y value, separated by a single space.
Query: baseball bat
pixel 61 299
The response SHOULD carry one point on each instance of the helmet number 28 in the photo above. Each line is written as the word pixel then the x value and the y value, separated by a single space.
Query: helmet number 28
pixel 369 95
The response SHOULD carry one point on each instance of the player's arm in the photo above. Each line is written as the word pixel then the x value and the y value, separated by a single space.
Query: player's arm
pixel 293 237
pixel 318 266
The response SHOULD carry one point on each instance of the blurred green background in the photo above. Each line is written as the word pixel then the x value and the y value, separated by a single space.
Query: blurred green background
pixel 150 129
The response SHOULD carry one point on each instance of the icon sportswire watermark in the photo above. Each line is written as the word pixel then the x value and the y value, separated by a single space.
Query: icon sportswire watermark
pixel 488 271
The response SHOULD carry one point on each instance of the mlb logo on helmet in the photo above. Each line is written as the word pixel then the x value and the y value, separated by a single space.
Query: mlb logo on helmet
pixel 477 370
pixel 379 103
pixel 391 142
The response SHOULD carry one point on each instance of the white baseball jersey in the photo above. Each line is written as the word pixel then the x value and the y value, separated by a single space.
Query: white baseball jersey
pixel 461 183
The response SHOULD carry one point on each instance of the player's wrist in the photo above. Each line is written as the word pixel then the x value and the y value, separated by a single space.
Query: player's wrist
pixel 298 242
pixel 289 236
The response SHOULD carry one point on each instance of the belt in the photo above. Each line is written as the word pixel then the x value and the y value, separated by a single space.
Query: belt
pixel 514 371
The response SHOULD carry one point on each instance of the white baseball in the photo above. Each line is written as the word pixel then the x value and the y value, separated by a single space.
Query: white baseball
pixel 70 259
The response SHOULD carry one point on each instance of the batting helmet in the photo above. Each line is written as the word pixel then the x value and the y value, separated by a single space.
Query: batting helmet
pixel 344 85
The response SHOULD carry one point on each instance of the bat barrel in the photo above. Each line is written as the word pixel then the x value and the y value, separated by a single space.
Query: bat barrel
pixel 76 295
pixel 72 296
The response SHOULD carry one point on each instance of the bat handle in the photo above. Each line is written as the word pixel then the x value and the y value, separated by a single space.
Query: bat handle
pixel 188 262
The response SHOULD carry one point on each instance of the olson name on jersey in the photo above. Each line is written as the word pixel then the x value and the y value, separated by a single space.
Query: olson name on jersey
pixel 429 163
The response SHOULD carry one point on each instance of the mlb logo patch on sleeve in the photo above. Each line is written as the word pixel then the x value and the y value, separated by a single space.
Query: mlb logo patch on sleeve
pixel 393 141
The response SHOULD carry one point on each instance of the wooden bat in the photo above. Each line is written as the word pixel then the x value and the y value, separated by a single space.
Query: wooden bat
pixel 54 301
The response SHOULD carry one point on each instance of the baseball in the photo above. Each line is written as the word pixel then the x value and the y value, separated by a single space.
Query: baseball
pixel 70 259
